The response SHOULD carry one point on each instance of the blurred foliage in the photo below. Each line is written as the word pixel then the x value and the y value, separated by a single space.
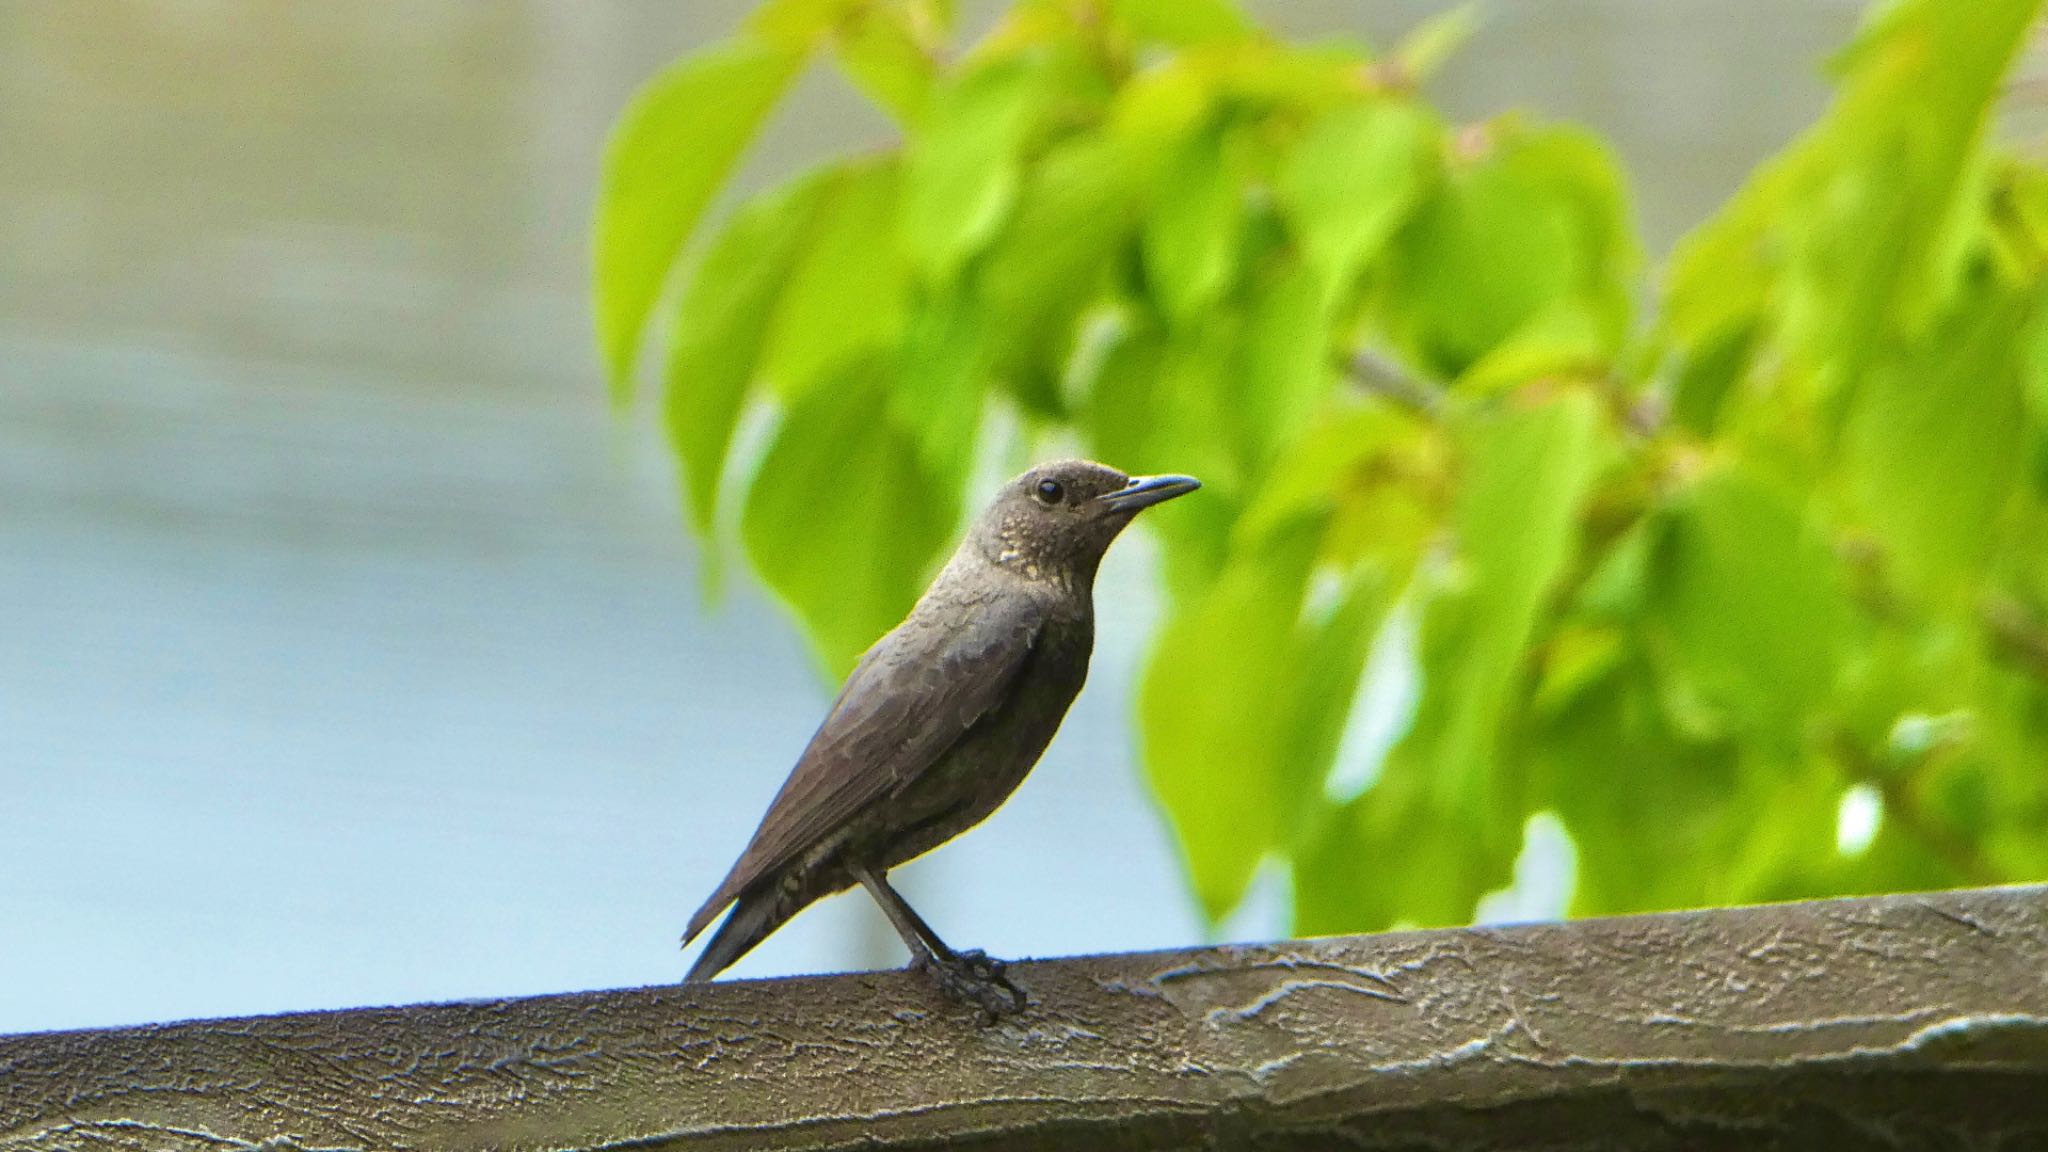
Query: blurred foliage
pixel 1682 574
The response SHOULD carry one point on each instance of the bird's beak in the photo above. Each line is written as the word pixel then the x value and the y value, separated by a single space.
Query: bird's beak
pixel 1145 491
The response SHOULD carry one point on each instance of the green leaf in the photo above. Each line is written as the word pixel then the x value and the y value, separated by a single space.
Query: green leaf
pixel 720 329
pixel 890 54
pixel 1157 404
pixel 941 375
pixel 846 296
pixel 962 167
pixel 1526 474
pixel 1616 587
pixel 1720 273
pixel 1286 367
pixel 1538 220
pixel 1567 340
pixel 842 522
pixel 1370 866
pixel 1486 253
pixel 1314 470
pixel 1575 659
pixel 1049 262
pixel 1706 377
pixel 1182 23
pixel 1425 49
pixel 1896 157
pixel 1604 757
pixel 798 25
pixel 1216 712
pixel 1159 106
pixel 1899 861
pixel 1934 445
pixel 1352 180
pixel 1786 847
pixel 1748 599
pixel 1343 619
pixel 1117 411
pixel 669 152
pixel 1190 239
pixel 1194 539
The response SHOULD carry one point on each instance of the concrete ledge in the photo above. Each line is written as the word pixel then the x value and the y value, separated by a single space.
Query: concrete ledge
pixel 1894 1022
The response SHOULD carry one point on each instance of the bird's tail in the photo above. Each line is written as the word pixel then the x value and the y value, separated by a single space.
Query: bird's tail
pixel 754 915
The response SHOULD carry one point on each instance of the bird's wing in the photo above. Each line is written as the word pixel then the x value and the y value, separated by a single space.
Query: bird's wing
pixel 910 698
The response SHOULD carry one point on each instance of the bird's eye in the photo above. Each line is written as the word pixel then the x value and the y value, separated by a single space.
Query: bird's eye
pixel 1050 491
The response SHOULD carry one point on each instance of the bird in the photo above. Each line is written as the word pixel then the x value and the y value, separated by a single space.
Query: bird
pixel 939 722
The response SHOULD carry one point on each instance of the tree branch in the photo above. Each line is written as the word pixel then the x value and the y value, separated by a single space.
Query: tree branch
pixel 1964 858
pixel 2018 635
pixel 1380 375
pixel 1901 1021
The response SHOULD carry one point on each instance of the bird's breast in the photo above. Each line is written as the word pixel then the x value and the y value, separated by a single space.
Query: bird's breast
pixel 981 770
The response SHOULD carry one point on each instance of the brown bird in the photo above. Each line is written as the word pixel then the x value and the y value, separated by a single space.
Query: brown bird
pixel 940 721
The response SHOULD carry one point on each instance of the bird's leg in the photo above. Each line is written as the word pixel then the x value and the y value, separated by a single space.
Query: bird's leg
pixel 969 976
pixel 917 935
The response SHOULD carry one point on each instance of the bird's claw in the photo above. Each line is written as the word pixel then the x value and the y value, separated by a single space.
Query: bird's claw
pixel 977 980
pixel 983 966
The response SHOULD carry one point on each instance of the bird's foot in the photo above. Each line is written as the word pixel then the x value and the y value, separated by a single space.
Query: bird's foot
pixel 977 980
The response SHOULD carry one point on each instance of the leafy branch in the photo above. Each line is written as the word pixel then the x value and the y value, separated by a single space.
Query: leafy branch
pixel 1661 551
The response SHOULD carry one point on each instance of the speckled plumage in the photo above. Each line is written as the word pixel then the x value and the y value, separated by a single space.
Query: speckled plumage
pixel 942 719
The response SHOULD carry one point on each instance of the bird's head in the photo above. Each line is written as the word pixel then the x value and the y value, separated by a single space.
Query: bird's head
pixel 1057 520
